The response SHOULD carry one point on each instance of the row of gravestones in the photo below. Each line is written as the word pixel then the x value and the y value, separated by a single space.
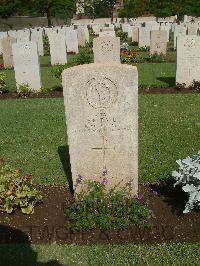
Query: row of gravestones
pixel 106 49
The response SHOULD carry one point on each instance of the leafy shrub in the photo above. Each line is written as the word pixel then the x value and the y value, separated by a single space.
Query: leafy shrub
pixel 46 44
pixel 3 87
pixel 17 191
pixel 188 177
pixel 123 36
pixel 157 58
pixel 97 207
pixel 83 57
pixel 24 90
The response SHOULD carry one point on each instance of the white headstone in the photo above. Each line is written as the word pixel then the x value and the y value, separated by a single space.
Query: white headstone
pixel 101 105
pixel 110 33
pixel 58 49
pixel 23 35
pixel 106 50
pixel 144 37
pixel 26 64
pixel 7 43
pixel 188 60
pixel 178 32
pixel 72 41
pixel 37 36
pixel 2 35
pixel 158 42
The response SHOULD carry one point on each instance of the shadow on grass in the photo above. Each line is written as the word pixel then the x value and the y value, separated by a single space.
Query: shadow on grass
pixel 15 249
pixel 171 81
pixel 63 152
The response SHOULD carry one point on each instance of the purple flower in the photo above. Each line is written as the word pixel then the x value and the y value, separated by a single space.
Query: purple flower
pixel 79 179
pixel 105 181
pixel 105 172
pixel 77 207
pixel 155 193
pixel 140 197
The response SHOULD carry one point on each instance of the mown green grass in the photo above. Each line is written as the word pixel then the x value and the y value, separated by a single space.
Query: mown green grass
pixel 33 135
pixel 98 255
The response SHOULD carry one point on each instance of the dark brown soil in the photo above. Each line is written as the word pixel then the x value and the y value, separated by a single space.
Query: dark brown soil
pixel 49 225
pixel 58 94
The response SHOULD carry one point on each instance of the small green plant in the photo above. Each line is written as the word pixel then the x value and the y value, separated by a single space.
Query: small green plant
pixel 17 191
pixel 144 48
pixel 188 176
pixel 3 87
pixel 24 90
pixel 58 69
pixel 44 90
pixel 195 86
pixel 180 86
pixel 99 208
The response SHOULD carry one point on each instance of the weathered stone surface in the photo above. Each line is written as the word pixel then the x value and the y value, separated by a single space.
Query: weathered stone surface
pixel 135 34
pixel 23 35
pixel 72 41
pixel 2 35
pixel 7 51
pixel 58 49
pixel 158 43
pixel 12 33
pixel 106 50
pixel 36 36
pixel 188 60
pixel 81 36
pixel 96 28
pixel 179 31
pixel 144 37
pixel 101 104
pixel 26 64
pixel 192 28
pixel 167 29
pixel 108 33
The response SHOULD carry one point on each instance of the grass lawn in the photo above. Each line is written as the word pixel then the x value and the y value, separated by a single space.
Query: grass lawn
pixel 33 135
pixel 122 255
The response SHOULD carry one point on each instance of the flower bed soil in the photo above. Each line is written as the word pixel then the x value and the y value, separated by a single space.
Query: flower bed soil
pixel 49 225
pixel 58 94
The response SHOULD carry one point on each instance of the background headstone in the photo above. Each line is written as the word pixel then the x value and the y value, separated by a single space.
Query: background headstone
pixel 58 49
pixel 2 35
pixel 72 41
pixel 158 42
pixel 106 50
pixel 7 51
pixel 37 36
pixel 26 64
pixel 188 60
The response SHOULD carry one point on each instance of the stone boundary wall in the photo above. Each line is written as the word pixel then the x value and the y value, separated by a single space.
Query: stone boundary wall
pixel 16 23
